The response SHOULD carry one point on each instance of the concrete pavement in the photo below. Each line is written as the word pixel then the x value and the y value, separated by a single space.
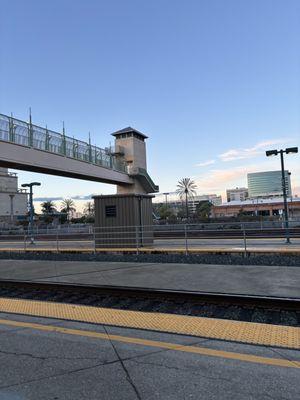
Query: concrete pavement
pixel 252 280
pixel 61 366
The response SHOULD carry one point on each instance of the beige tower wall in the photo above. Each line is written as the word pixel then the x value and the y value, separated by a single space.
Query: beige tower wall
pixel 134 151
pixel 135 155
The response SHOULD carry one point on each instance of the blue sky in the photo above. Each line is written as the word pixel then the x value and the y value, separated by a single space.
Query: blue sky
pixel 212 83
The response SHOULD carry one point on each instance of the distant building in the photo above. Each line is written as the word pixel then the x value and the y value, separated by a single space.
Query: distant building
pixel 212 198
pixel 272 206
pixel 176 203
pixel 268 184
pixel 237 194
pixel 77 214
pixel 13 201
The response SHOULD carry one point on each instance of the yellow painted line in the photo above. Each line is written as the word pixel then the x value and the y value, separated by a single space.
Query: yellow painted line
pixel 153 343
pixel 236 331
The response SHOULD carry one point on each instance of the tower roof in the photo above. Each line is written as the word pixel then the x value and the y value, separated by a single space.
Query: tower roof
pixel 133 131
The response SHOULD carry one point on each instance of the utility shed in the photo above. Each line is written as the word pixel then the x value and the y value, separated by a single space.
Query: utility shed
pixel 123 220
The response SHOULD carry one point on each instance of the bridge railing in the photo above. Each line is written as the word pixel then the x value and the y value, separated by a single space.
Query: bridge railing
pixel 27 134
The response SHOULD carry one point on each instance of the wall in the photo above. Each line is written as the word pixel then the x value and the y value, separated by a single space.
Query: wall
pixel 8 183
pixel 19 205
pixel 135 150
pixel 131 224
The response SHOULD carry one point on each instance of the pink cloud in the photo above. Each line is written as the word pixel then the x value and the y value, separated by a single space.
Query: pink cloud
pixel 251 152
pixel 205 163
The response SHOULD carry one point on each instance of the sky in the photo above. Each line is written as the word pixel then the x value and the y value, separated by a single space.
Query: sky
pixel 213 83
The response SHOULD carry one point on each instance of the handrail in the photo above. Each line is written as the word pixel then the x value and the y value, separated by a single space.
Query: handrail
pixel 143 172
pixel 26 134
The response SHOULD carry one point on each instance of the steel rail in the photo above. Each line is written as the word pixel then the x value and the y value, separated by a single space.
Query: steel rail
pixel 216 298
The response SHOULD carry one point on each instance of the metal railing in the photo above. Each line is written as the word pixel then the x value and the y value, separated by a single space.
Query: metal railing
pixel 184 238
pixel 29 135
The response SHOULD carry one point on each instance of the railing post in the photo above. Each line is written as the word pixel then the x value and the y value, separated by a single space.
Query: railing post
pixel 57 246
pixel 90 148
pixel 137 239
pixel 63 139
pixel 11 128
pixel 30 137
pixel 94 238
pixel 186 240
pixel 245 240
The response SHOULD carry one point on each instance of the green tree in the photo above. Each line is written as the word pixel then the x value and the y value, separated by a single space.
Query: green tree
pixel 48 207
pixel 203 209
pixel 165 212
pixel 181 212
pixel 89 209
pixel 186 188
pixel 68 206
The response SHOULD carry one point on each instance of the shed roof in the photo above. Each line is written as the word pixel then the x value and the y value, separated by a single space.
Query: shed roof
pixel 129 129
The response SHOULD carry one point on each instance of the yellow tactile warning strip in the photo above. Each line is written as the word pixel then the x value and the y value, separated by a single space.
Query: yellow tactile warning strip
pixel 278 362
pixel 244 332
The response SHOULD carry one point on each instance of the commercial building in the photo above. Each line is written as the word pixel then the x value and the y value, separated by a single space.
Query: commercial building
pixel 13 201
pixel 257 207
pixel 237 194
pixel 268 184
pixel 174 201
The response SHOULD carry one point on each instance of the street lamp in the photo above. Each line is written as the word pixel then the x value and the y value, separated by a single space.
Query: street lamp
pixel 31 209
pixel 286 216
pixel 166 195
pixel 291 200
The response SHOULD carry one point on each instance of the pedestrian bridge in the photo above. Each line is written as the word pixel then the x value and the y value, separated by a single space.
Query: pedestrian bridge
pixel 29 147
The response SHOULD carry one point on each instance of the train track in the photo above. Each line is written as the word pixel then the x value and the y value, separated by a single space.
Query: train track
pixel 276 310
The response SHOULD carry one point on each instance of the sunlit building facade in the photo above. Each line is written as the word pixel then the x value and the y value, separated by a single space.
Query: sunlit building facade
pixel 268 184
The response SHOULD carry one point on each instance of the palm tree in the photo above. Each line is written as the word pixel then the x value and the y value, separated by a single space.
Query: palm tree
pixel 186 188
pixel 89 208
pixel 68 206
pixel 48 207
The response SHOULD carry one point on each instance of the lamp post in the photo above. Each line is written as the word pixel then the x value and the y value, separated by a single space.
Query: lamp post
pixel 286 215
pixel 166 196
pixel 31 208
pixel 291 200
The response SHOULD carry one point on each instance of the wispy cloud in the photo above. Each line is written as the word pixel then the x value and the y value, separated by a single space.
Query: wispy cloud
pixel 206 163
pixel 77 197
pixel 218 180
pixel 251 152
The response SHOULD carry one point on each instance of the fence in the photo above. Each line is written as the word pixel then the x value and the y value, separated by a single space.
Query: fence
pixel 27 134
pixel 184 238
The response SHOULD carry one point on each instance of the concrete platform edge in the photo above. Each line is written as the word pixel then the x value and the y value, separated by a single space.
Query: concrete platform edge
pixel 224 257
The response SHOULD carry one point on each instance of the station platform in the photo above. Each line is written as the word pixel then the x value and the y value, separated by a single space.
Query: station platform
pixel 71 352
pixel 232 279
pixel 49 359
